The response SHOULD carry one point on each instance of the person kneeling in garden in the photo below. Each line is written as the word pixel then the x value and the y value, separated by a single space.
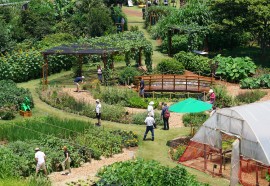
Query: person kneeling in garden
pixel 150 124
pixel 66 163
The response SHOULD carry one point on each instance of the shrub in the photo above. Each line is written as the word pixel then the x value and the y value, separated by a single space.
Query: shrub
pixel 138 102
pixel 11 98
pixel 195 119
pixel 139 118
pixel 234 69
pixel 126 76
pixel 179 43
pixel 170 66
pixel 194 63
pixel 25 65
pixel 223 99
pixel 58 99
pixel 250 96
pixel 262 81
pixel 130 173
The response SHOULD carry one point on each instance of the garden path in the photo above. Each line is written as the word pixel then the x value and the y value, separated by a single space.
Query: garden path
pixel 85 96
pixel 89 170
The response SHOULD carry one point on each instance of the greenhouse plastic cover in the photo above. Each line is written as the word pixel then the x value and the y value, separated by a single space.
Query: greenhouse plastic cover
pixel 250 123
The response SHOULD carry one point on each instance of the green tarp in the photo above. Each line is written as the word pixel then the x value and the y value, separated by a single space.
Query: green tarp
pixel 190 105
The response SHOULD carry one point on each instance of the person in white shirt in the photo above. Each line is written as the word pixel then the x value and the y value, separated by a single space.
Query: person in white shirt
pixel 98 112
pixel 150 122
pixel 150 109
pixel 99 73
pixel 40 159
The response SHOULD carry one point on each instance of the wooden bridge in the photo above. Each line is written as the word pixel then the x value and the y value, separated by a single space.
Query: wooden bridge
pixel 175 83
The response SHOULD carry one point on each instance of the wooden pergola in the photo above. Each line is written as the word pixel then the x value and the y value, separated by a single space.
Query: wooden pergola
pixel 79 50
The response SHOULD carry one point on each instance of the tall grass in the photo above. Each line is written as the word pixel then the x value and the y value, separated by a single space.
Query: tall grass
pixel 38 128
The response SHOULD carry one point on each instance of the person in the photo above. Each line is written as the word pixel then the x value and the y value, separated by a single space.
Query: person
pixel 66 163
pixel 212 96
pixel 98 112
pixel 165 2
pixel 165 110
pixel 149 3
pixel 40 160
pixel 99 73
pixel 77 80
pixel 150 109
pixel 155 2
pixel 150 123
pixel 141 87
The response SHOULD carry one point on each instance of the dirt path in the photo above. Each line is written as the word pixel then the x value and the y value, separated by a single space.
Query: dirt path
pixel 89 170
pixel 85 96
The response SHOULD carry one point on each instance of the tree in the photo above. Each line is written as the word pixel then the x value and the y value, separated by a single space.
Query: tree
pixel 239 16
pixel 39 19
pixel 5 39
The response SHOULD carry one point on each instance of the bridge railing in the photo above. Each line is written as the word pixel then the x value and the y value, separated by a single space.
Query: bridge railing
pixel 175 83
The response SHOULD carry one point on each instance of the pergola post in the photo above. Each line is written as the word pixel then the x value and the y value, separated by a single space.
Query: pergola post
pixel 204 154
pixel 45 70
pixel 170 42
pixel 80 65
pixel 257 174
pixel 104 58
pixel 140 57
pixel 221 161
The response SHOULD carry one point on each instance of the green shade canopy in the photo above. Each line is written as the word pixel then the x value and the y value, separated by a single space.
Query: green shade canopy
pixel 190 105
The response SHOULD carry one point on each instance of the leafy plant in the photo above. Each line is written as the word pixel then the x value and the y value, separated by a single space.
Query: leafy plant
pixel 170 66
pixel 178 152
pixel 194 63
pixel 262 81
pixel 130 173
pixel 234 69
pixel 195 119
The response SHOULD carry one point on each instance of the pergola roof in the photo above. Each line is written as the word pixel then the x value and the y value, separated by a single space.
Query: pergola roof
pixel 80 49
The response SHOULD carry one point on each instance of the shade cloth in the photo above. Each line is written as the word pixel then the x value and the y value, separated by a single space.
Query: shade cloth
pixel 190 105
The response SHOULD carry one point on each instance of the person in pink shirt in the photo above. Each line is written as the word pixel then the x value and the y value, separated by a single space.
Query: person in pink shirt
pixel 212 96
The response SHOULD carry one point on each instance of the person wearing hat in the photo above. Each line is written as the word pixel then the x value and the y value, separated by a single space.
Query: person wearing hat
pixel 98 112
pixel 66 163
pixel 77 80
pixel 150 124
pixel 150 109
pixel 40 159
pixel 212 96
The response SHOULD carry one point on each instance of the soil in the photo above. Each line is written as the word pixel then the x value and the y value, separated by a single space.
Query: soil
pixel 89 170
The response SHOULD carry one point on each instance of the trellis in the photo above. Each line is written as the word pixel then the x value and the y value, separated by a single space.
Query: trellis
pixel 191 30
pixel 129 43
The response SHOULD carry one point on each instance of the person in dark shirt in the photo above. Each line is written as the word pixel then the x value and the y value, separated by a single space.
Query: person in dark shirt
pixel 141 87
pixel 77 80
pixel 66 163
pixel 165 119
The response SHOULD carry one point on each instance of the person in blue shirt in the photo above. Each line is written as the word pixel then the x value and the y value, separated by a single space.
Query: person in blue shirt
pixel 77 80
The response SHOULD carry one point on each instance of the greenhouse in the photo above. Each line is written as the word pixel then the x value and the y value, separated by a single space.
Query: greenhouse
pixel 247 128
